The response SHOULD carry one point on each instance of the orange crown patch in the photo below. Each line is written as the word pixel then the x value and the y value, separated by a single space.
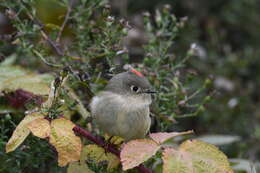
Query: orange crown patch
pixel 137 73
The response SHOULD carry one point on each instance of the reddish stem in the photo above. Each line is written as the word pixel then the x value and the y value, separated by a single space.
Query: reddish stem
pixel 110 148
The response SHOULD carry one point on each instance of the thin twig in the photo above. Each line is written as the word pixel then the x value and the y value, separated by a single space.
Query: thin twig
pixel 52 43
pixel 44 60
pixel 109 148
pixel 65 21
pixel 180 64
pixel 80 107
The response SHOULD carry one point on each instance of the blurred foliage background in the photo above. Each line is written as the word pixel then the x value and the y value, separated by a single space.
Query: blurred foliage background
pixel 216 44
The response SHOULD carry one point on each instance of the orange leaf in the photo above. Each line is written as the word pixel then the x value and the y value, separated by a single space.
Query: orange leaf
pixel 21 131
pixel 67 144
pixel 40 128
pixel 137 151
pixel 164 136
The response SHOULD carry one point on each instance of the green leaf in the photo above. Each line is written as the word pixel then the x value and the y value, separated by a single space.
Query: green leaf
pixel 13 78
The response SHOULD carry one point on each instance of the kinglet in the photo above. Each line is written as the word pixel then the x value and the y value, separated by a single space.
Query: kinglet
pixel 122 109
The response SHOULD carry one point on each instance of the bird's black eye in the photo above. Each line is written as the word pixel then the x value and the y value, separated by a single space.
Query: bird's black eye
pixel 134 88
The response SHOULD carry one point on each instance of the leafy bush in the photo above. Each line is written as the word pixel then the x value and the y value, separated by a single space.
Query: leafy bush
pixel 83 45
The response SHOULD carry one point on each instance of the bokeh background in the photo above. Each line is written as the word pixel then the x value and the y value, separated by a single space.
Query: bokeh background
pixel 227 38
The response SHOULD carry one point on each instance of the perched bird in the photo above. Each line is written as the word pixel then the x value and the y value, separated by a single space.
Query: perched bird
pixel 122 109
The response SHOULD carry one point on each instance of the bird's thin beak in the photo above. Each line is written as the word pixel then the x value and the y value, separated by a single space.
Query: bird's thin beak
pixel 150 91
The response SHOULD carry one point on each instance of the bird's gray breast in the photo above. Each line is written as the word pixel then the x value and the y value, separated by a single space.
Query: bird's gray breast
pixel 134 124
pixel 120 117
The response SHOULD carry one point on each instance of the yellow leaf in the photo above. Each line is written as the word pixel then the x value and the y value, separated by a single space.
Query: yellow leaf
pixel 40 128
pixel 137 151
pixel 67 144
pixel 195 156
pixel 116 140
pixel 162 137
pixel 78 167
pixel 21 131
pixel 97 154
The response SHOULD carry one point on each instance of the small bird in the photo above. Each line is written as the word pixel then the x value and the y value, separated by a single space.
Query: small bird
pixel 122 109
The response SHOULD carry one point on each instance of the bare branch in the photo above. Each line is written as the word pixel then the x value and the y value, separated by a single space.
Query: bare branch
pixel 52 43
pixel 65 21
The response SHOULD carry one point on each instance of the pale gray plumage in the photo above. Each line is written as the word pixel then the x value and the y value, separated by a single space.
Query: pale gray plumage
pixel 122 109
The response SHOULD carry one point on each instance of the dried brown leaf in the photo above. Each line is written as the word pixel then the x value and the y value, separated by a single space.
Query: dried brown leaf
pixel 137 151
pixel 67 144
